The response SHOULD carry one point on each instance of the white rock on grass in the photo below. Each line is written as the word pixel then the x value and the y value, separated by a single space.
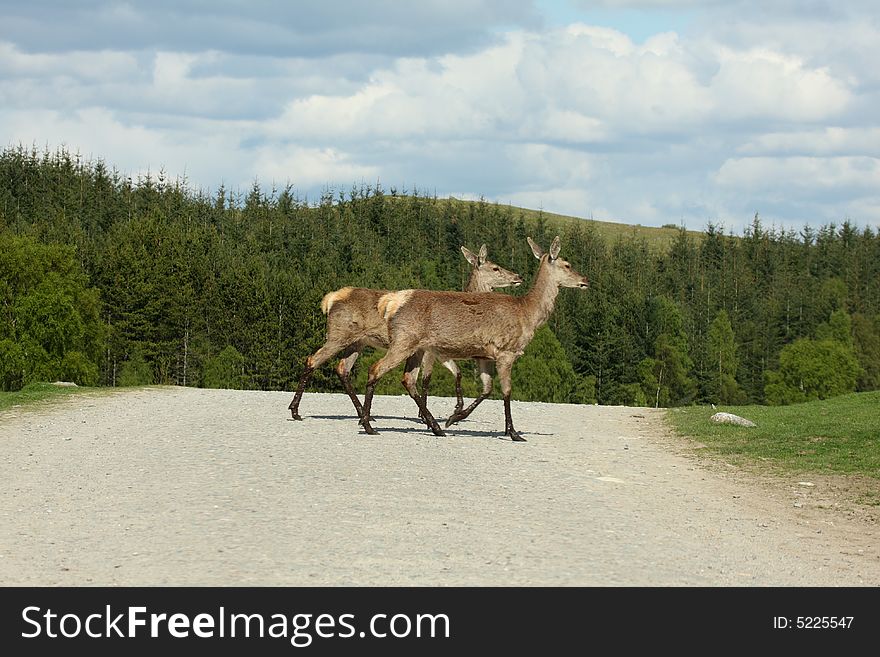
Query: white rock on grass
pixel 730 418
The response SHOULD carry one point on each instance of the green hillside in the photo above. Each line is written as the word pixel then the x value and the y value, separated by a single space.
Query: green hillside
pixel 108 280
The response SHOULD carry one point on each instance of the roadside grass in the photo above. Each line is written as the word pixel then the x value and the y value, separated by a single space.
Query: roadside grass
pixel 37 394
pixel 831 436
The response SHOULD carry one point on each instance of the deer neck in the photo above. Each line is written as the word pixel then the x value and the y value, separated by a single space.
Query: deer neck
pixel 475 283
pixel 541 299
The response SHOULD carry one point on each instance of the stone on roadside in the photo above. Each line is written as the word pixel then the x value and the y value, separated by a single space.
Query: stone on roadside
pixel 730 418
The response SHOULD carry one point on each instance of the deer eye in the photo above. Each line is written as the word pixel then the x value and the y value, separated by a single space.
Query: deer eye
pixel 496 269
pixel 567 266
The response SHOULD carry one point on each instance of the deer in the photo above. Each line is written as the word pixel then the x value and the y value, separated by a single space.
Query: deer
pixel 457 325
pixel 354 323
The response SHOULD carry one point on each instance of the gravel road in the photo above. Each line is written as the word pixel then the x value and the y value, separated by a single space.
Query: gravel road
pixel 181 486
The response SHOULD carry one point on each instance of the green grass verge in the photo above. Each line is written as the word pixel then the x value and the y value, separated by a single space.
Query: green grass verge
pixel 36 393
pixel 840 435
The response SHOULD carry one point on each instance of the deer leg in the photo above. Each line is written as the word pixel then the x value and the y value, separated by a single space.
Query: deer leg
pixel 515 435
pixel 505 366
pixel 486 378
pixel 300 389
pixel 395 355
pixel 413 367
pixel 365 414
pixel 453 367
pixel 313 362
pixel 409 382
pixel 427 368
pixel 426 382
pixel 343 371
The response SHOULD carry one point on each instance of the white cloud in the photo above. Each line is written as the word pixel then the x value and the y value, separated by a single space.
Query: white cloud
pixel 578 85
pixel 208 156
pixel 308 168
pixel 822 141
pixel 550 197
pixel 864 209
pixel 310 28
pixel 761 83
pixel 452 96
pixel 707 124
pixel 83 64
pixel 789 175
pixel 646 4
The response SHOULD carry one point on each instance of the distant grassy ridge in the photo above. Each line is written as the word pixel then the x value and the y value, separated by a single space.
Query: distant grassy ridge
pixel 658 237
pixel 610 231
pixel 839 435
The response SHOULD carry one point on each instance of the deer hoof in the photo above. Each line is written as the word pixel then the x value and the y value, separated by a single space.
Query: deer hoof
pixel 370 430
pixel 295 416
pixel 515 436
pixel 452 419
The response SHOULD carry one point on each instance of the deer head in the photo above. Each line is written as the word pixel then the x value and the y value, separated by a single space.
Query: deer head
pixel 489 274
pixel 560 271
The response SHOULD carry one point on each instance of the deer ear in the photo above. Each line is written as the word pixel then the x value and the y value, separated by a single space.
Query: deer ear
pixel 470 257
pixel 484 254
pixel 537 250
pixel 554 248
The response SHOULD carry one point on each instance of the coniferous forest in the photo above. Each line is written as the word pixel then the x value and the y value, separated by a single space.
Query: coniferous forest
pixel 105 280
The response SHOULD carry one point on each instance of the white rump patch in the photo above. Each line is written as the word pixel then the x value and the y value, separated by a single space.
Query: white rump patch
pixel 332 297
pixel 390 303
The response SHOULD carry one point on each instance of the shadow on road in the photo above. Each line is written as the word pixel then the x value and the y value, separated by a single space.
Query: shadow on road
pixel 452 431
pixel 373 417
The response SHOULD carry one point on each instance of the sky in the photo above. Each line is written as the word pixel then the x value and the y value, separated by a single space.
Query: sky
pixel 643 112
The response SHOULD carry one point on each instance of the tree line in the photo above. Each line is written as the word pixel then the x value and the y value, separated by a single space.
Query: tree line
pixel 110 280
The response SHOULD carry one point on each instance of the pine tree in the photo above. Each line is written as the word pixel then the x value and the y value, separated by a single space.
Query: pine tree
pixel 721 382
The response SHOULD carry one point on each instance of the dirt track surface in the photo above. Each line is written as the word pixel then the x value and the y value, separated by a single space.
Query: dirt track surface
pixel 176 486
